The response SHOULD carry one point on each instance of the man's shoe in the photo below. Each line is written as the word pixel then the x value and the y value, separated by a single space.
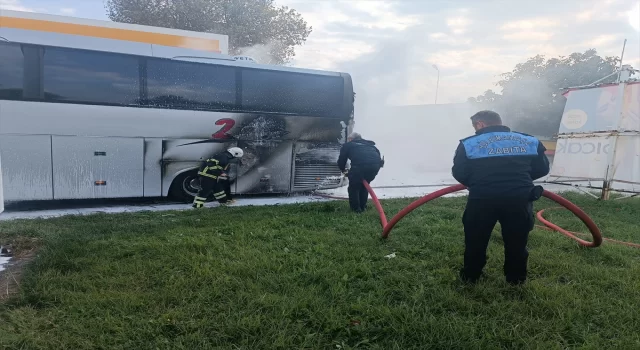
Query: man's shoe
pixel 516 281
pixel 467 279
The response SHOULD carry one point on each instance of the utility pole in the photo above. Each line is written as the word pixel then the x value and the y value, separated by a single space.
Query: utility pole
pixel 437 83
pixel 624 73
pixel 1 190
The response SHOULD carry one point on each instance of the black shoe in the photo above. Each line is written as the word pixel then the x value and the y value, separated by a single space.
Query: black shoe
pixel 467 279
pixel 517 281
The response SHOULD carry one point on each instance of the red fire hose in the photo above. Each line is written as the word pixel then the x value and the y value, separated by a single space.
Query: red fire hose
pixel 413 206
pixel 551 226
pixel 593 228
pixel 376 202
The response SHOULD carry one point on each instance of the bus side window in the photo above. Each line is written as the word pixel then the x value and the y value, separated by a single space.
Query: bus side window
pixel 11 71
pixel 94 77
pixel 292 93
pixel 175 84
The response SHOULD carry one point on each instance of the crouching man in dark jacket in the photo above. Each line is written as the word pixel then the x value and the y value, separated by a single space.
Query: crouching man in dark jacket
pixel 498 166
pixel 365 165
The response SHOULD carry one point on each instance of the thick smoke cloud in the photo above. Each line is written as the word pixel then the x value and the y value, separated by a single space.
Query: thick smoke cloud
pixel 418 141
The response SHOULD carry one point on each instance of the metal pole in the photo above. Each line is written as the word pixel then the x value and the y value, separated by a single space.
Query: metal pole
pixel 1 190
pixel 437 83
pixel 623 77
pixel 624 45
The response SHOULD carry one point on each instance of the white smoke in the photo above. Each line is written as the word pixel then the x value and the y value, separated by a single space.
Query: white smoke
pixel 261 53
pixel 419 141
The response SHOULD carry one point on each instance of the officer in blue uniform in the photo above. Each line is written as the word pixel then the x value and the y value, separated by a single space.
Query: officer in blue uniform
pixel 498 166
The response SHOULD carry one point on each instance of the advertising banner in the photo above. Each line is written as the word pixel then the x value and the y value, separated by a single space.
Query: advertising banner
pixel 590 129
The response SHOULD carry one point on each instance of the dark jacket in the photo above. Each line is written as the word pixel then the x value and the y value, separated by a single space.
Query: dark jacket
pixel 214 166
pixel 498 163
pixel 362 153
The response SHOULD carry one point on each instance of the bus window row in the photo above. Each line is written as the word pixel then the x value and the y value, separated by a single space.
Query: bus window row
pixel 81 76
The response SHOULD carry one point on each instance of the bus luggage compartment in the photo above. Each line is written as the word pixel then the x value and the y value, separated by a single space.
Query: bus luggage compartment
pixel 26 167
pixel 97 167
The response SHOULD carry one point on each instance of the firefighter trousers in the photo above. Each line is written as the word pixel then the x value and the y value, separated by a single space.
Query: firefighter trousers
pixel 516 220
pixel 210 186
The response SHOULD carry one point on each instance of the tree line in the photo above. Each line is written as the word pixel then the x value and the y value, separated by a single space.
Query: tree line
pixel 530 96
pixel 246 22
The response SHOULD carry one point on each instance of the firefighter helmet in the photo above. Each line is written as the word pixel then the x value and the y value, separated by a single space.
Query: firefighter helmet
pixel 236 152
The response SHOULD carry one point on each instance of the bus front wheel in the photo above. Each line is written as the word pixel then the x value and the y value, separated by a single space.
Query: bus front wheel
pixel 185 186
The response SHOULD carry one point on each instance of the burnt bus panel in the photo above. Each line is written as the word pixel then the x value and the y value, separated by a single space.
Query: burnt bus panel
pixel 265 167
pixel 314 129
pixel 315 166
pixel 186 155
pixel 153 167
pixel 26 167
pixel 97 167
pixel 268 165
pixel 183 150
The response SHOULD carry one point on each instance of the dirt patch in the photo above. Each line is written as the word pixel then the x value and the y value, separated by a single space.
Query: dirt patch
pixel 23 251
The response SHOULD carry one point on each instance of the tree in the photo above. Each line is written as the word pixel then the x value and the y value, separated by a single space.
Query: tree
pixel 246 22
pixel 531 98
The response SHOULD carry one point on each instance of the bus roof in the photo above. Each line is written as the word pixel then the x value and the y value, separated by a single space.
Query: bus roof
pixel 106 36
pixel 69 31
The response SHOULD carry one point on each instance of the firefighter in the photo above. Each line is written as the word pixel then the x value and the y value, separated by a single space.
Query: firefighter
pixel 498 166
pixel 214 179
pixel 226 184
pixel 365 165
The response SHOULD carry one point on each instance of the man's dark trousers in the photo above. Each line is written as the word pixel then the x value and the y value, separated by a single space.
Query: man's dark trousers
pixel 357 192
pixel 479 219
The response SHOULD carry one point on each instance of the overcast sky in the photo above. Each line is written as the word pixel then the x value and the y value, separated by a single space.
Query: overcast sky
pixel 390 47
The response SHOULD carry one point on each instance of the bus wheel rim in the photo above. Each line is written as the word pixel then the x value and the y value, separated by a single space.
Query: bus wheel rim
pixel 191 185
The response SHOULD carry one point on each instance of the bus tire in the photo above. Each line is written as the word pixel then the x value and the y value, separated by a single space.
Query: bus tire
pixel 182 188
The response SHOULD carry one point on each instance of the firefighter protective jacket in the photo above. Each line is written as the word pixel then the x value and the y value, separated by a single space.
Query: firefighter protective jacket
pixel 216 165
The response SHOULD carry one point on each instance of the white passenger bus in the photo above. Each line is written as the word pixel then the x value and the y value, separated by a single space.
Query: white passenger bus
pixel 92 109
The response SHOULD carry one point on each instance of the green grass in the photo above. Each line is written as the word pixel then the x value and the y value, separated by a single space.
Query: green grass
pixel 316 276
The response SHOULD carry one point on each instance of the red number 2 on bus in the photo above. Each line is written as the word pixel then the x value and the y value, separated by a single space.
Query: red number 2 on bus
pixel 227 124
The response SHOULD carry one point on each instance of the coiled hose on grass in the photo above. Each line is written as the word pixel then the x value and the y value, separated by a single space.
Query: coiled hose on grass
pixel 597 238
pixel 573 235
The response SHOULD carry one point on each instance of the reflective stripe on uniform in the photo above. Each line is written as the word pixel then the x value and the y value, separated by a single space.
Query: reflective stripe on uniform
pixel 217 166
pixel 199 201
pixel 219 195
pixel 202 173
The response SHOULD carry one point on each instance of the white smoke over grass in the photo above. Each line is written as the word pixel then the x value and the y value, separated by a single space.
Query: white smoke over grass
pixel 418 141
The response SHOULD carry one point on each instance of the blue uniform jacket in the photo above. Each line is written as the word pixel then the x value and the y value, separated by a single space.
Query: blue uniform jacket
pixel 498 163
